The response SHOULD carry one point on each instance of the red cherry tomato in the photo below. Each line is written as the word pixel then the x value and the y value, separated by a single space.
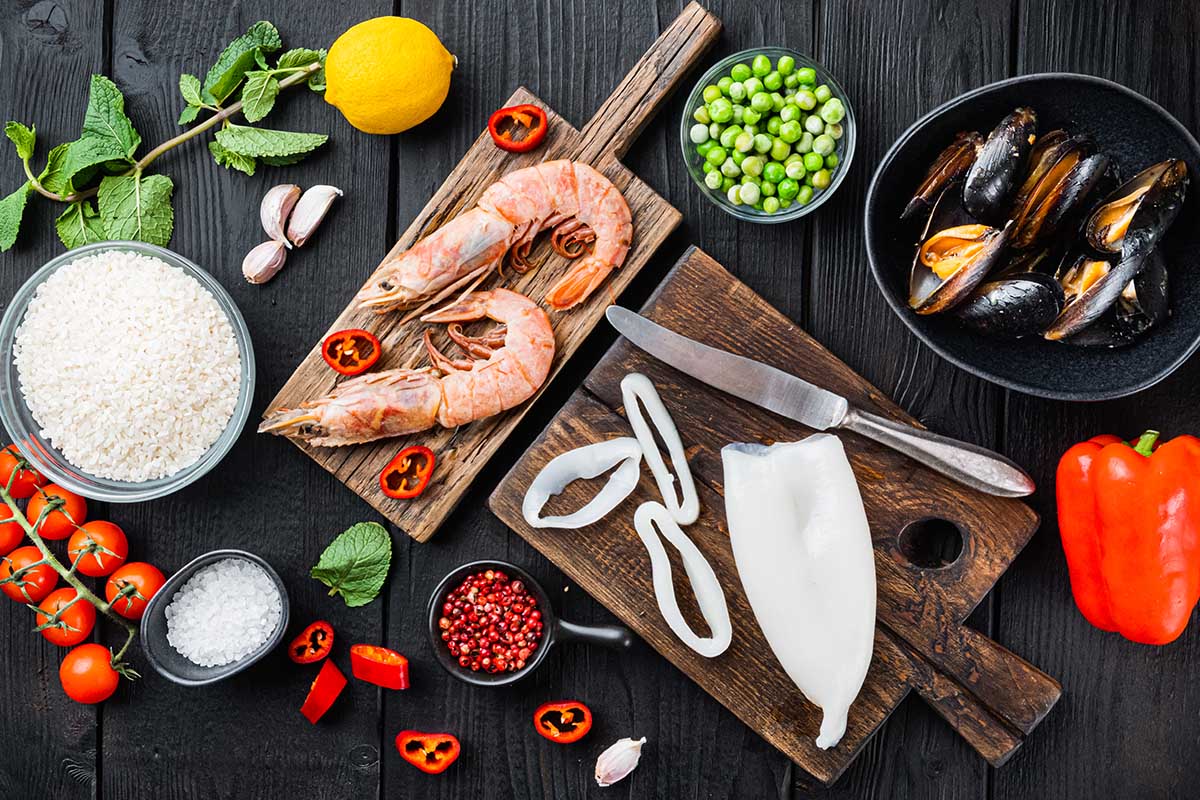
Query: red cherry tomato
pixel 145 580
pixel 100 547
pixel 11 535
pixel 87 675
pixel 60 523
pixel 27 480
pixel 35 584
pixel 78 620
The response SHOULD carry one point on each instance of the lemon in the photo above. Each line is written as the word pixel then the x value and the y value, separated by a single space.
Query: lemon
pixel 387 74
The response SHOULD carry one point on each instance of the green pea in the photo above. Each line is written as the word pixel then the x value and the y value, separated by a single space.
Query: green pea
pixel 724 83
pixel 773 172
pixel 750 127
pixel 806 100
pixel 813 162
pixel 808 179
pixel 807 75
pixel 752 165
pixel 805 195
pixel 734 195
pixel 776 101
pixel 771 205
pixel 737 156
pixel 745 142
pixel 761 102
pixel 805 144
pixel 750 179
pixel 832 160
pixel 739 113
pixel 824 144
pixel 729 136
pixel 832 110
pixel 768 189
pixel 716 156
pixel 714 129
pixel 705 146
pixel 791 81
pixel 785 65
pixel 726 183
pixel 821 179
pixel 712 92
pixel 785 204
pixel 701 115
pixel 721 110
pixel 698 133
pixel 761 65
pixel 753 86
pixel 788 189
pixel 790 113
pixel 737 91
pixel 713 179
pixel 790 131
pixel 823 93
pixel 779 149
pixel 773 81
pixel 762 143
pixel 814 125
pixel 793 158
pixel 730 169
pixel 750 193
pixel 759 205
pixel 835 130
pixel 740 72
pixel 795 170
pixel 773 124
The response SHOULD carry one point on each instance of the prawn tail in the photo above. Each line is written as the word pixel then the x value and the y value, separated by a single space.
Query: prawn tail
pixel 579 282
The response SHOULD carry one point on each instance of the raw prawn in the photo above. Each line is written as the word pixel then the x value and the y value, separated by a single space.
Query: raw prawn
pixel 511 364
pixel 580 204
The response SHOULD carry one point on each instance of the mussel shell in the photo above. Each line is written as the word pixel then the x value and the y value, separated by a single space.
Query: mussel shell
pixel 1131 317
pixel 1002 158
pixel 950 165
pixel 1165 186
pixel 1012 307
pixel 1058 197
pixel 1046 151
pixel 929 294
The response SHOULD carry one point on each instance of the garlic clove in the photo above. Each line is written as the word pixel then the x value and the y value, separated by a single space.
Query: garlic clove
pixel 276 205
pixel 618 761
pixel 307 215
pixel 261 263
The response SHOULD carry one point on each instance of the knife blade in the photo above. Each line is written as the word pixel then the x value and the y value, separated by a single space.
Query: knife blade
pixel 820 409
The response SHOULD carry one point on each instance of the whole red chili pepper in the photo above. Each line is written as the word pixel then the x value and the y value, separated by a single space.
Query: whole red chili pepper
pixel 1129 517
pixel 429 752
pixel 351 352
pixel 527 117
pixel 313 643
pixel 563 722
pixel 407 475
pixel 379 665
pixel 325 689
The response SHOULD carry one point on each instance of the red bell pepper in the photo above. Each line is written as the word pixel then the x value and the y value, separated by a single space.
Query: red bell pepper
pixel 379 665
pixel 1129 517
pixel 530 119
pixel 429 752
pixel 312 644
pixel 324 691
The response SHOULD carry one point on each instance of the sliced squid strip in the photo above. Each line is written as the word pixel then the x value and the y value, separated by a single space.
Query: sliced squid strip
pixel 584 463
pixel 653 519
pixel 684 506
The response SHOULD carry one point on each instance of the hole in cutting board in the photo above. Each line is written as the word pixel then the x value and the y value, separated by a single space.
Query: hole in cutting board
pixel 931 543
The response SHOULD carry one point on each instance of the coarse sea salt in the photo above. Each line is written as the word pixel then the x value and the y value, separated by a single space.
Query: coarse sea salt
pixel 223 613
pixel 128 364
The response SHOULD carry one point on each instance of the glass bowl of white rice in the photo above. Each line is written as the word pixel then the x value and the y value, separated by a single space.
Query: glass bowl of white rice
pixel 128 374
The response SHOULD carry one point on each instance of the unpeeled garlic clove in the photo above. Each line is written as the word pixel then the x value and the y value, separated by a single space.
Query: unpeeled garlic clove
pixel 261 263
pixel 618 761
pixel 307 215
pixel 276 205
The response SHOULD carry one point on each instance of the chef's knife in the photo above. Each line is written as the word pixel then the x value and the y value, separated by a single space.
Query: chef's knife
pixel 796 398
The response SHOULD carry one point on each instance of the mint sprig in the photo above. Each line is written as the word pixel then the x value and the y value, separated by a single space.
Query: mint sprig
pixel 356 563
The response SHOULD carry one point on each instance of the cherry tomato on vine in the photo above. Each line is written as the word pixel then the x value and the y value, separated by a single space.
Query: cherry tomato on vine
pixel 61 523
pixel 11 534
pixel 146 580
pixel 99 546
pixel 80 618
pixel 35 584
pixel 28 479
pixel 87 674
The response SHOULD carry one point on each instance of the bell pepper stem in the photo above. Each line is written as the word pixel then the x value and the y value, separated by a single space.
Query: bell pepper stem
pixel 1145 443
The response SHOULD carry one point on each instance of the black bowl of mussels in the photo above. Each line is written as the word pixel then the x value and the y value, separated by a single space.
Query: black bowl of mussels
pixel 1038 232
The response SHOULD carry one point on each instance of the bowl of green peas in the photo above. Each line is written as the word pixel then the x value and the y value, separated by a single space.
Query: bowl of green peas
pixel 767 134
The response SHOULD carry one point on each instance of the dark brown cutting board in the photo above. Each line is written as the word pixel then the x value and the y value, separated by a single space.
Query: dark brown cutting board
pixel 603 140
pixel 991 696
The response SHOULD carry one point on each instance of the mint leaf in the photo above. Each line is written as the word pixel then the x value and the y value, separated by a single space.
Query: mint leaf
pixel 356 563
pixel 258 95
pixel 188 115
pixel 189 87
pixel 24 139
pixel 299 57
pixel 52 177
pixel 230 159
pixel 12 208
pixel 282 161
pixel 257 142
pixel 83 155
pixel 79 225
pixel 105 120
pixel 134 207
pixel 241 56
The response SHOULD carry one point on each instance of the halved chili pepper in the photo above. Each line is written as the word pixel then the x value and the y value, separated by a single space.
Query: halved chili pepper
pixel 505 123
pixel 429 752
pixel 313 643
pixel 563 722
pixel 408 474
pixel 324 691
pixel 351 352
pixel 379 665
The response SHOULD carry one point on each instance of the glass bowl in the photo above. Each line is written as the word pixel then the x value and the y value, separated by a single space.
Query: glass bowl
pixel 26 434
pixel 694 162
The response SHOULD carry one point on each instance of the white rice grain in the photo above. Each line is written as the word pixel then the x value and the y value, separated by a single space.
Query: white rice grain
pixel 128 365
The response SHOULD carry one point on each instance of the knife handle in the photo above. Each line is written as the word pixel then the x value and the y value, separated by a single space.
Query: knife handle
pixel 966 463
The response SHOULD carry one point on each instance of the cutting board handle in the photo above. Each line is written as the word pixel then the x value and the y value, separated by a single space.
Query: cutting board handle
pixel 637 97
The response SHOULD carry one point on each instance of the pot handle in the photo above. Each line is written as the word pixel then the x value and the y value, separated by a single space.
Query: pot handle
pixel 616 637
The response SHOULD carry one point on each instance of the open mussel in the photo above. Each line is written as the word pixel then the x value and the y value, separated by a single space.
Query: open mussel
pixel 1131 220
pixel 1063 172
pixel 1142 304
pixel 955 255
pixel 1001 159
pixel 1014 306
pixel 950 166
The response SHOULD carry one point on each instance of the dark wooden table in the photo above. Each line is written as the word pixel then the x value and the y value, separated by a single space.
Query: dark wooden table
pixel 1129 722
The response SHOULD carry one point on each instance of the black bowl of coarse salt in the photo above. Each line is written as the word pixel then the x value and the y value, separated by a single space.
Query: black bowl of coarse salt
pixel 214 618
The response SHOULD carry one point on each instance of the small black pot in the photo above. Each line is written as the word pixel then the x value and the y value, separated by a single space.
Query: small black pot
pixel 554 630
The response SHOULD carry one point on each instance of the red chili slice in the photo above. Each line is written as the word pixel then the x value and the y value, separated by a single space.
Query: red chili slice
pixel 379 665
pixel 429 752
pixel 313 643
pixel 563 722
pixel 504 124
pixel 324 691
pixel 407 475
pixel 351 352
